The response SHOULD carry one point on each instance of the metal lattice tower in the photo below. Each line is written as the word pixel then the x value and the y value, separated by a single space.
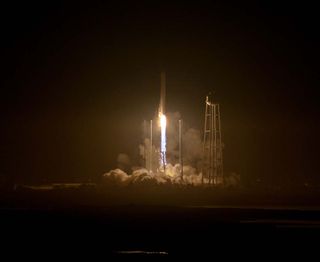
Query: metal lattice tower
pixel 212 167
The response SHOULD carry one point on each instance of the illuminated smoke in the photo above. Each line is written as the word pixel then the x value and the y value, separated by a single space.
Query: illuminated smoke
pixel 169 158
pixel 129 175
pixel 142 177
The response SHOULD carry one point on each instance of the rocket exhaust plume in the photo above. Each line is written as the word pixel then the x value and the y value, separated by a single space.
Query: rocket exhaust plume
pixel 163 121
pixel 163 126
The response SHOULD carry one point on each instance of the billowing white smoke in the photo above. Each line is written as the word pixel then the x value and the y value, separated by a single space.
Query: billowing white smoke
pixel 115 177
pixel 143 177
pixel 192 155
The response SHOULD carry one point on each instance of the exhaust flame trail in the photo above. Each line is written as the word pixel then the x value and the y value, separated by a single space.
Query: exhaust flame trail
pixel 163 122
pixel 163 127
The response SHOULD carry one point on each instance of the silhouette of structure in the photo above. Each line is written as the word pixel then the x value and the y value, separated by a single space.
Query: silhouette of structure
pixel 212 166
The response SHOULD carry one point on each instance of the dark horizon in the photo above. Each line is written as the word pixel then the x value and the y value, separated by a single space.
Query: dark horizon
pixel 78 81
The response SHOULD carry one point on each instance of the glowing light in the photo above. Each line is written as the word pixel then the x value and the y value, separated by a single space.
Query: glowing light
pixel 163 121
pixel 163 127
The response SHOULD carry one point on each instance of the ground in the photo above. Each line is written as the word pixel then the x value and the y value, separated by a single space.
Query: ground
pixel 94 222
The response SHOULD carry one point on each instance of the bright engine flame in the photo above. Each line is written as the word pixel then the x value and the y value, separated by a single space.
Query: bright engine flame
pixel 163 122
pixel 163 127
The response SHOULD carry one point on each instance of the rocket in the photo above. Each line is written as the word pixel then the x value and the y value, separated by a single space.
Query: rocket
pixel 162 105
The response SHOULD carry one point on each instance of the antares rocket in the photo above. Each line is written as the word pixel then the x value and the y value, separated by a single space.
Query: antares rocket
pixel 163 121
pixel 162 105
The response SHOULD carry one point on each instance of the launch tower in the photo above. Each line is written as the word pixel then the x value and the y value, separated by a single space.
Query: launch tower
pixel 212 166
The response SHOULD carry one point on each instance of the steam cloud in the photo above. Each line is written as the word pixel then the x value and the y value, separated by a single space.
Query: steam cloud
pixel 143 177
pixel 192 154
pixel 126 175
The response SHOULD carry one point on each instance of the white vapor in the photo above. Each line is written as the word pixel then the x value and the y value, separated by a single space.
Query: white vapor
pixel 143 177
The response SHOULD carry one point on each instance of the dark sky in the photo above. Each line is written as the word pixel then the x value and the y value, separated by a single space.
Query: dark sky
pixel 78 80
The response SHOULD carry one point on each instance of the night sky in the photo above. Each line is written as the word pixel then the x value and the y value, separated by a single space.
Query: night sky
pixel 79 79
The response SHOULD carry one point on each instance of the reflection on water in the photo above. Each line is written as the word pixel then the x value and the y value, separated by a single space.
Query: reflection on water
pixel 141 252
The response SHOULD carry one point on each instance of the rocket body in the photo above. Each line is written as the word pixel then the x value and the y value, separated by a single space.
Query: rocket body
pixel 162 106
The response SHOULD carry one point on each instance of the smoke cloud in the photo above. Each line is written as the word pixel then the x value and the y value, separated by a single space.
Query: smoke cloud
pixel 143 177
pixel 147 173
